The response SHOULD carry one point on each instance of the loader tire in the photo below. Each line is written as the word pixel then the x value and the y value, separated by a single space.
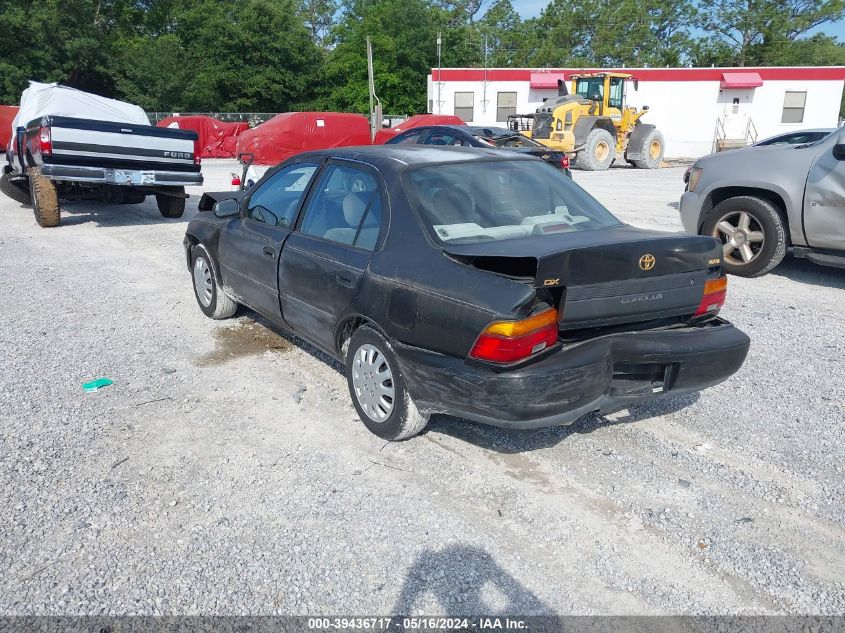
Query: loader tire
pixel 170 206
pixel 16 190
pixel 652 152
pixel 45 199
pixel 598 153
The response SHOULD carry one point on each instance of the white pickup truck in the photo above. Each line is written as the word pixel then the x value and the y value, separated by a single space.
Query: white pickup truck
pixel 71 145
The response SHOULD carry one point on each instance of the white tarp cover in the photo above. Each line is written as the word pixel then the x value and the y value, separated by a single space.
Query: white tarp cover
pixel 52 99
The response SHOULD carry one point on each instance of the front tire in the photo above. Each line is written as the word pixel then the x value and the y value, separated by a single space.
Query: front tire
pixel 378 388
pixel 213 302
pixel 45 199
pixel 652 151
pixel 598 153
pixel 752 233
pixel 171 206
pixel 13 189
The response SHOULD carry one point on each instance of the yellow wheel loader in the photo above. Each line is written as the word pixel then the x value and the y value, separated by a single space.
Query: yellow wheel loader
pixel 594 123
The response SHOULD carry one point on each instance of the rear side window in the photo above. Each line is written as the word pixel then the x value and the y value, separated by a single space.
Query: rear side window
pixel 275 201
pixel 410 138
pixel 345 208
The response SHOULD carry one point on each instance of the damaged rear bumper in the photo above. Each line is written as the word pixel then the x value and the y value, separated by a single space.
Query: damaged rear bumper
pixel 602 374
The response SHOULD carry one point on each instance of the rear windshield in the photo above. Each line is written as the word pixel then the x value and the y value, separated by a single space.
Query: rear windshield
pixel 465 203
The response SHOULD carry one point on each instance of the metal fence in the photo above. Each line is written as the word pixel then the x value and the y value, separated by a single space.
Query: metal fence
pixel 253 118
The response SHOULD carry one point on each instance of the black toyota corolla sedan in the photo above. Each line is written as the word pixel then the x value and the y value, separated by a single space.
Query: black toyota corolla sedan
pixel 477 283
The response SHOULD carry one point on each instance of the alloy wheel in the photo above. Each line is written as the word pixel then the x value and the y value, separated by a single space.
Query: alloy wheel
pixel 741 235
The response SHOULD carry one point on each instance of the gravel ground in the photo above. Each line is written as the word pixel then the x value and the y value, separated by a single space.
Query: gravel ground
pixel 225 470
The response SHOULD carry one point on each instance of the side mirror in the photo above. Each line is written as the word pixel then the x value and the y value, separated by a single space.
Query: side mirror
pixel 636 84
pixel 839 148
pixel 645 108
pixel 227 208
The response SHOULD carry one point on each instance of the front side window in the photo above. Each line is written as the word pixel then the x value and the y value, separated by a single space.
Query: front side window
pixel 437 137
pixel 345 208
pixel 590 88
pixel 793 107
pixel 464 105
pixel 464 203
pixel 275 202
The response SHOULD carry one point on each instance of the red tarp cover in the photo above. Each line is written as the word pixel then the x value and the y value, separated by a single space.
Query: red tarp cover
pixel 7 114
pixel 740 80
pixel 293 132
pixel 217 138
pixel 418 120
pixel 546 81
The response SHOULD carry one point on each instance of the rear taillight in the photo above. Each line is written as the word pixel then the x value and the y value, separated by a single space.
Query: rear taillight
pixel 511 341
pixel 564 162
pixel 45 141
pixel 715 291
pixel 197 159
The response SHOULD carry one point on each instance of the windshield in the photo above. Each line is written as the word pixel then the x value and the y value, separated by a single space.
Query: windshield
pixel 465 203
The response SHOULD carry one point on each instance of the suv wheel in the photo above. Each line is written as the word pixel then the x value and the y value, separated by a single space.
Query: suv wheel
pixel 752 234
pixel 378 389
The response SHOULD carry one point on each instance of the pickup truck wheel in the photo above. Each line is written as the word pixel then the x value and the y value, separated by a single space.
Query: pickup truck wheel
pixel 378 389
pixel 598 153
pixel 752 234
pixel 45 199
pixel 214 303
pixel 170 206
pixel 17 190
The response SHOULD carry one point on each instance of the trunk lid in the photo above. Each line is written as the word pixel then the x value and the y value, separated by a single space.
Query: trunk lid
pixel 606 276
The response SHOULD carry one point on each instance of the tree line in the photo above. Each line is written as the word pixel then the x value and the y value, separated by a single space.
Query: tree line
pixel 281 55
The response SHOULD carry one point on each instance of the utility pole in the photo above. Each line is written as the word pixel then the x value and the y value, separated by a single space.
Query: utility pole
pixel 439 70
pixel 484 98
pixel 375 112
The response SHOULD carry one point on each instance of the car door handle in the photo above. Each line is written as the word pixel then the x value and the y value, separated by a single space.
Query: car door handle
pixel 268 250
pixel 344 279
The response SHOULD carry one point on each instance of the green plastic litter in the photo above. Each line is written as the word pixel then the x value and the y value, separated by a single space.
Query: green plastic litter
pixel 96 384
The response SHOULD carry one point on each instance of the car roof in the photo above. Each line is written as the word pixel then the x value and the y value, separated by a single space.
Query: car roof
pixel 385 156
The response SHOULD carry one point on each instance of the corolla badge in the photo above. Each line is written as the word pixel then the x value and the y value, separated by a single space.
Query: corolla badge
pixel 647 261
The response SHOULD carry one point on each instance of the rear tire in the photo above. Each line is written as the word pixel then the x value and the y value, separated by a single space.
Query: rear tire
pixel 213 302
pixel 45 199
pixel 15 189
pixel 378 389
pixel 598 153
pixel 170 206
pixel 652 151
pixel 752 233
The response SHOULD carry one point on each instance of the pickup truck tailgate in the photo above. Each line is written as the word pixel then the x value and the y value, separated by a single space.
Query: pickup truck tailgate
pixel 120 145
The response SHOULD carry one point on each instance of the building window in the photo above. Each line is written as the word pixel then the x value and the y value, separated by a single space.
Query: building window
pixel 505 106
pixel 793 107
pixel 464 104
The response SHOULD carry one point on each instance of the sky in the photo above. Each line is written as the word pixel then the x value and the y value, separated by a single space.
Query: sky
pixel 532 8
